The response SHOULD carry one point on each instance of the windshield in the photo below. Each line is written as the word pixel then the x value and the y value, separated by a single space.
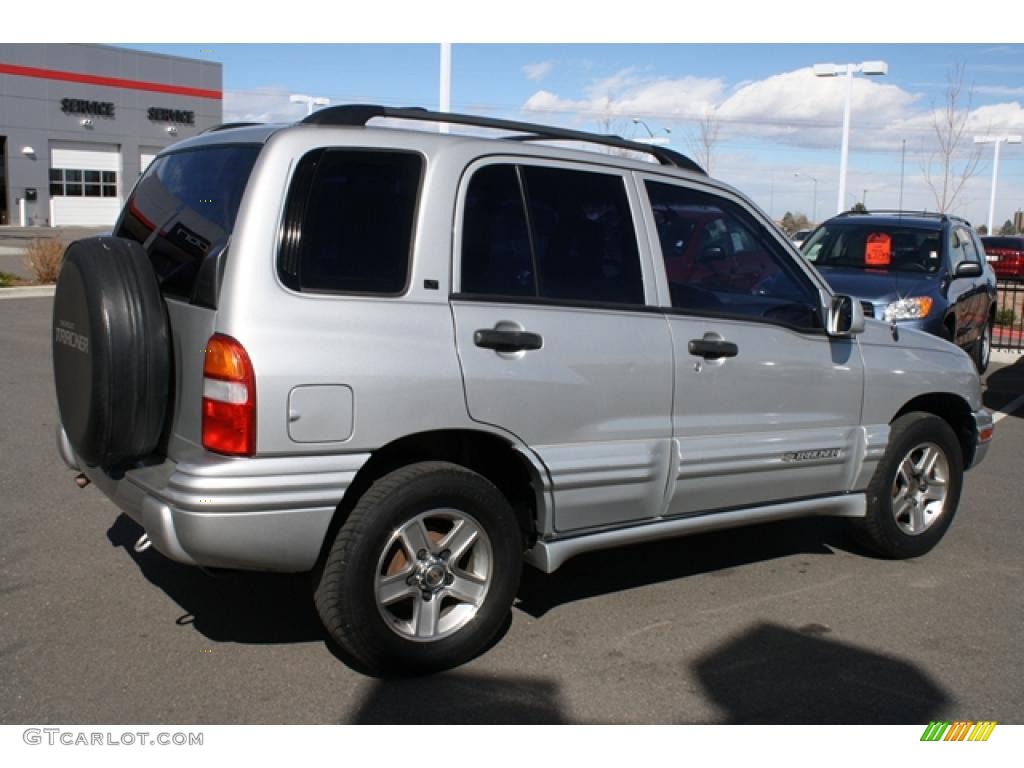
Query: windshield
pixel 875 247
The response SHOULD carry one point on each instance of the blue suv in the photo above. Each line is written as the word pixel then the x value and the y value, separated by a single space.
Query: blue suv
pixel 917 270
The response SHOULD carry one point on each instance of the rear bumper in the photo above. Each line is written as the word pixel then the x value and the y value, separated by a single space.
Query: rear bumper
pixel 256 514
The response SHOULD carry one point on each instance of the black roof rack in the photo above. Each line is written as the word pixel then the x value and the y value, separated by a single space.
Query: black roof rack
pixel 360 114
pixel 226 126
pixel 897 212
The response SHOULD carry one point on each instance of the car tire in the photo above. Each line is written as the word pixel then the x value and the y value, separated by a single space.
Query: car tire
pixel 914 492
pixel 982 352
pixel 423 572
pixel 112 362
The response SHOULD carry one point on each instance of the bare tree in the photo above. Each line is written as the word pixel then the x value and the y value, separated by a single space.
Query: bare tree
pixel 704 138
pixel 955 159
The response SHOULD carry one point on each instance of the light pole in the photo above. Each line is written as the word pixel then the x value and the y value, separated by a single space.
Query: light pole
pixel 445 84
pixel 309 101
pixel 832 70
pixel 651 139
pixel 814 214
pixel 997 140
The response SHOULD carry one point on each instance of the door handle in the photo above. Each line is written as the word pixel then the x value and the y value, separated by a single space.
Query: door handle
pixel 712 349
pixel 507 341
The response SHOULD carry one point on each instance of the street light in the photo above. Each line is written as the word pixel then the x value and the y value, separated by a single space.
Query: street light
pixel 997 140
pixel 309 101
pixel 651 139
pixel 833 70
pixel 814 215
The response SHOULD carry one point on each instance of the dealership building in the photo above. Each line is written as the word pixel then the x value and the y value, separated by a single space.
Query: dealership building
pixel 79 123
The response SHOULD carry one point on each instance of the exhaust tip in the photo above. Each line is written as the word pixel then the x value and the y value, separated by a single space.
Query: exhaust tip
pixel 81 480
pixel 143 543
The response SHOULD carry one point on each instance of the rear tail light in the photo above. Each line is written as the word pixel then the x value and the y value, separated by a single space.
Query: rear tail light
pixel 229 398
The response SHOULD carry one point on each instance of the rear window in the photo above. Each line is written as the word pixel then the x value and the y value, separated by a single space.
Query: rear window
pixel 550 233
pixel 184 208
pixel 875 247
pixel 349 222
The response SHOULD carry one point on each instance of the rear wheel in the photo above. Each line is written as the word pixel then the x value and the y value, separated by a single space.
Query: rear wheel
pixel 423 573
pixel 983 348
pixel 914 493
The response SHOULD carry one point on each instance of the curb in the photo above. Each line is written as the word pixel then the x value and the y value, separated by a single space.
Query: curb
pixel 27 292
pixel 1005 356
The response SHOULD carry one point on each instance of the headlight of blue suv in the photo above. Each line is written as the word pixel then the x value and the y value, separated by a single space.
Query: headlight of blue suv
pixel 908 309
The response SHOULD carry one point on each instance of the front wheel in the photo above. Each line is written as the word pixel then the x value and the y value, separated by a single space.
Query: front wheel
pixel 915 490
pixel 422 575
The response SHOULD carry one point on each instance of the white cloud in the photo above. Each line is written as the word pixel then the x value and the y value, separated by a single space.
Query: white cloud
pixel 799 108
pixel 792 108
pixel 538 71
pixel 627 94
pixel 264 105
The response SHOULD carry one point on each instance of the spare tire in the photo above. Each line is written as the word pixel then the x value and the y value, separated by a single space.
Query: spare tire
pixel 111 351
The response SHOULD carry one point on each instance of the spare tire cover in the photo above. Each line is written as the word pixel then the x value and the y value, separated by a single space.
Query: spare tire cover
pixel 111 351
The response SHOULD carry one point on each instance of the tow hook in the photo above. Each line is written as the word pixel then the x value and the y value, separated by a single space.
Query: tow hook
pixel 143 543
pixel 81 480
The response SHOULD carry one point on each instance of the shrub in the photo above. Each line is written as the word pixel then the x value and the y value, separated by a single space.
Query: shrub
pixel 43 258
pixel 1005 316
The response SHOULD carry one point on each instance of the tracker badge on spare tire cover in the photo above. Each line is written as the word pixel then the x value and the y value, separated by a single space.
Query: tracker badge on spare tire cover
pixel 111 351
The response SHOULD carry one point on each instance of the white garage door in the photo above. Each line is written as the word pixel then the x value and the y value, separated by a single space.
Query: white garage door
pixel 84 183
pixel 145 158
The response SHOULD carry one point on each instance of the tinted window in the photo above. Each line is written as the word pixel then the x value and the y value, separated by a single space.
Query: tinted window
pixel 349 222
pixel 1013 243
pixel 575 240
pixel 718 258
pixel 496 257
pixel 184 207
pixel 874 246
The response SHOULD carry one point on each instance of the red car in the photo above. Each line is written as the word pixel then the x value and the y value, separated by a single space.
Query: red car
pixel 1006 255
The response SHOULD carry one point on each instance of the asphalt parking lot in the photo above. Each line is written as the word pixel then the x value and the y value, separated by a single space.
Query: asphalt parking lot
pixel 782 623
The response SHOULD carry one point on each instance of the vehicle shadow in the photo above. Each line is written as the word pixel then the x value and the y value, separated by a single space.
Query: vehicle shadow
pixel 228 606
pixel 616 570
pixel 1003 386
pixel 456 698
pixel 769 674
pixel 772 674
pixel 239 606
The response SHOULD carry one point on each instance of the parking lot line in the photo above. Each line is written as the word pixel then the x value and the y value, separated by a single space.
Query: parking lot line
pixel 999 415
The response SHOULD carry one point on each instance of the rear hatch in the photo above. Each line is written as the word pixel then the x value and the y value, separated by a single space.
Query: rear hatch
pixel 182 211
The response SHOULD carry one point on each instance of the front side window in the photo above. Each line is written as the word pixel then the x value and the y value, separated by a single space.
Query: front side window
pixel 719 259
pixel 967 250
pixel 550 233
pixel 349 222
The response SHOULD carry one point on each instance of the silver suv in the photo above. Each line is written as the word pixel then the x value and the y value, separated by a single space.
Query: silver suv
pixel 408 362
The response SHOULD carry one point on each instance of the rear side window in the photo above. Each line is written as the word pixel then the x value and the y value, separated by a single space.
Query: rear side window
pixel 550 233
pixel 349 222
pixel 184 208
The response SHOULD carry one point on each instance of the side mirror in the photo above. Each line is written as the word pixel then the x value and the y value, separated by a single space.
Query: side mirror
pixel 845 317
pixel 968 269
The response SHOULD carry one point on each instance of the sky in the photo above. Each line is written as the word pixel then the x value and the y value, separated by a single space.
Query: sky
pixel 775 119
pixel 666 62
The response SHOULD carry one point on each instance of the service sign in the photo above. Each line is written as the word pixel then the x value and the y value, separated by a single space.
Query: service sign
pixel 161 115
pixel 86 107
